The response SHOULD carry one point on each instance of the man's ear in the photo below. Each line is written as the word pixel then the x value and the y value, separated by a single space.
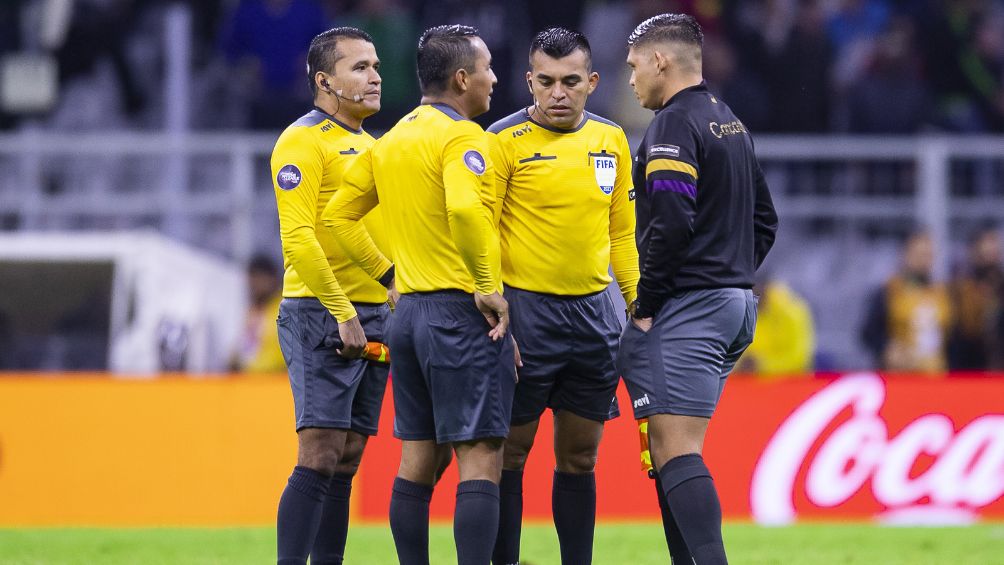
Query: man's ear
pixel 462 80
pixel 594 79
pixel 321 82
pixel 662 61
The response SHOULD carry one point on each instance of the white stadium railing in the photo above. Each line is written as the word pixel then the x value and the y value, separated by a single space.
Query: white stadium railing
pixel 212 190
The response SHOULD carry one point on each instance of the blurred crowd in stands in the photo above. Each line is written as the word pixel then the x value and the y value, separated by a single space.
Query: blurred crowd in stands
pixel 860 66
pixel 917 324
pixel 912 322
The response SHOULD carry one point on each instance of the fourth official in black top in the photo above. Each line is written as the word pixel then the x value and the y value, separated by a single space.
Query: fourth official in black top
pixel 705 222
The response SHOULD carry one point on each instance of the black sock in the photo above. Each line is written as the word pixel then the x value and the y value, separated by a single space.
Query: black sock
pixel 510 518
pixel 573 503
pixel 476 521
pixel 693 500
pixel 299 514
pixel 678 551
pixel 409 521
pixel 329 544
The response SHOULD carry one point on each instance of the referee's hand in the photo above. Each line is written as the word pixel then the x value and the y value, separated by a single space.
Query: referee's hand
pixel 353 339
pixel 496 311
pixel 643 324
pixel 392 294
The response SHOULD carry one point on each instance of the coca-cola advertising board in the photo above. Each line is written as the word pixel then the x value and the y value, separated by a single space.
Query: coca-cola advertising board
pixel 899 449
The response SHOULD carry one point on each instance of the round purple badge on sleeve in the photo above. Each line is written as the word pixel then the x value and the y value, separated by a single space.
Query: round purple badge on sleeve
pixel 289 177
pixel 475 162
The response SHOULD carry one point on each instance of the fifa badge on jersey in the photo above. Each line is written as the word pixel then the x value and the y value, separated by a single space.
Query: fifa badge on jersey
pixel 475 162
pixel 606 173
pixel 289 177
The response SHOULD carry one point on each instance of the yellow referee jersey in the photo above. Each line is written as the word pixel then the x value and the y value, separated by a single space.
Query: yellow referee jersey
pixel 308 162
pixel 434 181
pixel 566 214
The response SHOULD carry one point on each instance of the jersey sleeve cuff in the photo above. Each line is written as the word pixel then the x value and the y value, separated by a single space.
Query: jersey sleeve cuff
pixel 387 277
pixel 647 307
pixel 344 315
pixel 487 288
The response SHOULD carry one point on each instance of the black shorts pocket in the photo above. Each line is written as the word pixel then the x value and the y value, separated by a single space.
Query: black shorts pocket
pixel 452 344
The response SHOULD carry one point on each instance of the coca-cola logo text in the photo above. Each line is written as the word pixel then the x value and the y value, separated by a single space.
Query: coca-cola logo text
pixel 966 474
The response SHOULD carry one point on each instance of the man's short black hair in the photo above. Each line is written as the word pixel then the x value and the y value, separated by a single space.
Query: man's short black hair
pixel 558 42
pixel 680 28
pixel 442 50
pixel 323 52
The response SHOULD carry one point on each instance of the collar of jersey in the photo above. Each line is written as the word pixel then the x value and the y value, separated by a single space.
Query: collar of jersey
pixel 702 87
pixel 337 122
pixel 582 124
pixel 448 110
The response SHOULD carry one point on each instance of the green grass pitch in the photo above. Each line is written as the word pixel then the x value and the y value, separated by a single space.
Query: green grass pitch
pixel 627 543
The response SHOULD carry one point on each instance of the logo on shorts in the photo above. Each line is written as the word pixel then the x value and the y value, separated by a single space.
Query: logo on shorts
pixel 475 162
pixel 289 177
pixel 643 401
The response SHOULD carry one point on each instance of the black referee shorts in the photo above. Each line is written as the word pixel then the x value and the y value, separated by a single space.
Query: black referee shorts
pixel 681 364
pixel 451 381
pixel 330 391
pixel 569 347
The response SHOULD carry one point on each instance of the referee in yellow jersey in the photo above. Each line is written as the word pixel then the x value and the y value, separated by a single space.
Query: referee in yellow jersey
pixel 453 369
pixel 336 395
pixel 564 183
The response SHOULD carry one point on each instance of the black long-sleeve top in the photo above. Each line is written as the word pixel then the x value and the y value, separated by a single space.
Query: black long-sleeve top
pixel 705 218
